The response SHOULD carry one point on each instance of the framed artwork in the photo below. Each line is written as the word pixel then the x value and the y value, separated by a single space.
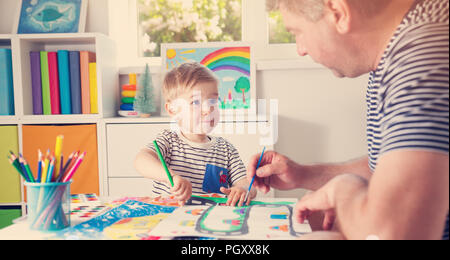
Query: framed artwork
pixel 232 63
pixel 50 16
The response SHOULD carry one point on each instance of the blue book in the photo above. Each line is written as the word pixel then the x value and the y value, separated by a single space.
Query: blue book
pixel 6 83
pixel 64 82
pixel 75 81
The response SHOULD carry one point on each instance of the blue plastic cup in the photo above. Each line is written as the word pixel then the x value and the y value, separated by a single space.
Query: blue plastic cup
pixel 48 206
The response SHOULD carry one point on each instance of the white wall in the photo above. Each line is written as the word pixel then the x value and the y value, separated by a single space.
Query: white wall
pixel 321 118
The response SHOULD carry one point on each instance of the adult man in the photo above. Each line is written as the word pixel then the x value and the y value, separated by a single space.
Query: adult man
pixel 401 189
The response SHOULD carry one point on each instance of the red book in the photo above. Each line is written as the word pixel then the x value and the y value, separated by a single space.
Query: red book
pixel 54 83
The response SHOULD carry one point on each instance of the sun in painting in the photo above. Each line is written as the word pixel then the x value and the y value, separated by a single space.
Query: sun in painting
pixel 175 58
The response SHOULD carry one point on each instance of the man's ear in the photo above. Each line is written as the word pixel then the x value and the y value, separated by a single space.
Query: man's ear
pixel 339 13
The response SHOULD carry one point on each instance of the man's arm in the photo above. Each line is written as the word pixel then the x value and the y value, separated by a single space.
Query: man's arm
pixel 315 176
pixel 279 172
pixel 407 198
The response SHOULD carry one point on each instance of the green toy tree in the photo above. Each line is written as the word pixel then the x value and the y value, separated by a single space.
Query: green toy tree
pixel 242 86
pixel 144 101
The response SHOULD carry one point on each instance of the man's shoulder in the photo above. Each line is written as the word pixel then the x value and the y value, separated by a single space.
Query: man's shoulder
pixel 426 22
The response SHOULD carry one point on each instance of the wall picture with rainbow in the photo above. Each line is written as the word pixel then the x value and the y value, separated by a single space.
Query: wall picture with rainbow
pixel 231 62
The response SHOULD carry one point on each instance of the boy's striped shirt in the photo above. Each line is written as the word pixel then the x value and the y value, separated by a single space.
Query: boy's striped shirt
pixel 192 161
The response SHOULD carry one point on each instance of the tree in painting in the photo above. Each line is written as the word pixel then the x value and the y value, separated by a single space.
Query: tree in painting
pixel 242 86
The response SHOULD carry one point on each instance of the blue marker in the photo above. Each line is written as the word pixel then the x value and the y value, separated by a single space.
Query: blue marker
pixel 253 180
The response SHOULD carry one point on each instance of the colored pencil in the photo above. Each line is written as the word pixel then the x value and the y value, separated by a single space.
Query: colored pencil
pixel 51 170
pixel 64 169
pixel 24 169
pixel 45 167
pixel 253 179
pixel 15 162
pixel 58 154
pixel 72 163
pixel 11 161
pixel 27 169
pixel 61 173
pixel 161 158
pixel 74 168
pixel 39 176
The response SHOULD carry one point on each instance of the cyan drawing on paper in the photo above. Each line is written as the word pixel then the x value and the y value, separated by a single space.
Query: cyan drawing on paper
pixel 49 16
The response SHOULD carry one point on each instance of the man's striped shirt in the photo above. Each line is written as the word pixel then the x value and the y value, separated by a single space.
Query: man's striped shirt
pixel 208 166
pixel 408 94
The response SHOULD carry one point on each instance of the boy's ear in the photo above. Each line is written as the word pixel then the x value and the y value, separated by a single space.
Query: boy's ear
pixel 170 108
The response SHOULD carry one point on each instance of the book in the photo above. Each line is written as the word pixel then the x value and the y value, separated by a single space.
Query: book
pixel 36 83
pixel 75 81
pixel 54 83
pixel 6 83
pixel 64 82
pixel 46 105
pixel 93 87
pixel 86 57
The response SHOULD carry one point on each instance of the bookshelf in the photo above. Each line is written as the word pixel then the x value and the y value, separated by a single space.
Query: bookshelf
pixel 24 120
pixel 93 42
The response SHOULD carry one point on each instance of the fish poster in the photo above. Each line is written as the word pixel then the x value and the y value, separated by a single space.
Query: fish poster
pixel 51 16
pixel 257 222
pixel 232 63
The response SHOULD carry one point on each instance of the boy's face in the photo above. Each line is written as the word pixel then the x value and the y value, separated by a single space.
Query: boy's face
pixel 197 110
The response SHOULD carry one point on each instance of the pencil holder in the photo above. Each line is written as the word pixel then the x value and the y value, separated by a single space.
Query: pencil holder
pixel 48 206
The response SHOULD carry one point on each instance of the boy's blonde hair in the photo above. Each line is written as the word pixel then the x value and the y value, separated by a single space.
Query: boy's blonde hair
pixel 184 78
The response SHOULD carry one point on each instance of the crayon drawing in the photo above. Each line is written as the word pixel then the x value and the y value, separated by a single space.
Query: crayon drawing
pixel 232 63
pixel 51 16
pixel 95 227
pixel 270 221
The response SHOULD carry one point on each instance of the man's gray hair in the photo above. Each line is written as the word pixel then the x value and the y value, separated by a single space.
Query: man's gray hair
pixel 314 9
pixel 311 9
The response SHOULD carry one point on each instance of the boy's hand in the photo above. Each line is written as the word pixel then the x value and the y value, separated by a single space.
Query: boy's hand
pixel 235 194
pixel 182 189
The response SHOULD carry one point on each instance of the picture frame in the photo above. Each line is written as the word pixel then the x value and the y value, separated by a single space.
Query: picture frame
pixel 50 16
pixel 230 61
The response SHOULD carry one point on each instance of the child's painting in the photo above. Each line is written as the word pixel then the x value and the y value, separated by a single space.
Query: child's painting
pixel 232 63
pixel 50 16
pixel 270 221
pixel 131 213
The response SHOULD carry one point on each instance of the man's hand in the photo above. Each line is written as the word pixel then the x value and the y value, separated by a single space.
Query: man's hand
pixel 276 171
pixel 324 199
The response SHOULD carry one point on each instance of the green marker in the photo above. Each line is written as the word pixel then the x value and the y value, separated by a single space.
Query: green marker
pixel 161 158
pixel 224 200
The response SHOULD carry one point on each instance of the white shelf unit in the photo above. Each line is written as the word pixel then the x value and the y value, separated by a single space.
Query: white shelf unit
pixel 102 46
pixel 107 84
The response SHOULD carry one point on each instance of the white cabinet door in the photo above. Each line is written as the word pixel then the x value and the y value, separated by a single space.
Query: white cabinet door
pixel 124 143
pixel 130 187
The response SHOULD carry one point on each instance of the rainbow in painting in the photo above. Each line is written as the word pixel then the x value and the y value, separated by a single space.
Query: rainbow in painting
pixel 233 58
pixel 231 64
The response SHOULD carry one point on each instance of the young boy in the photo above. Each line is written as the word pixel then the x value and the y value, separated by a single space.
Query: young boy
pixel 199 163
